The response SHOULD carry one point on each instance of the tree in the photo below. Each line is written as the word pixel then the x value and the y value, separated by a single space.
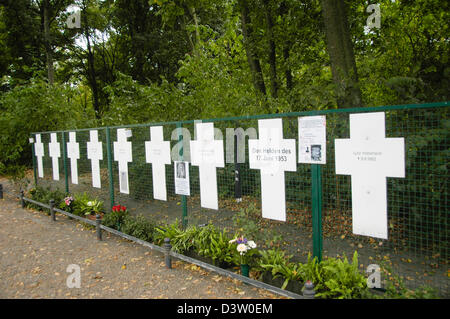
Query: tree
pixel 340 49
pixel 250 48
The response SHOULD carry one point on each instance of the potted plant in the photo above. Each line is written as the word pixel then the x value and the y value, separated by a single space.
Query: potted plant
pixel 246 249
pixel 92 208
pixel 67 204
pixel 121 213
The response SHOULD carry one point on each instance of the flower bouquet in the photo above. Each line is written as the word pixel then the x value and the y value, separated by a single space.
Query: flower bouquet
pixel 245 248
pixel 93 207
pixel 121 212
pixel 68 203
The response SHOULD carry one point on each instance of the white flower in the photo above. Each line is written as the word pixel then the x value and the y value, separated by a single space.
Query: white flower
pixel 89 203
pixel 251 244
pixel 242 248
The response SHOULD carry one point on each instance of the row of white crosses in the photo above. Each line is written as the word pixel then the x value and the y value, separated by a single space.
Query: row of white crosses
pixel 367 156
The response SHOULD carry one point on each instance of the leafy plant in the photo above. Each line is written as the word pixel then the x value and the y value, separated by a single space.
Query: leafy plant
pixel 277 263
pixel 115 218
pixel 336 278
pixel 313 271
pixel 244 221
pixel 139 227
pixel 185 240
pixel 202 239
pixel 170 231
pixel 219 249
pixel 67 204
pixel 84 205
pixel 44 195
pixel 271 257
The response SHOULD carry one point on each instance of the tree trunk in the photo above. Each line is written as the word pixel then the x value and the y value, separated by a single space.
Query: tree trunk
pixel 47 44
pixel 272 50
pixel 340 49
pixel 287 44
pixel 287 72
pixel 92 78
pixel 253 61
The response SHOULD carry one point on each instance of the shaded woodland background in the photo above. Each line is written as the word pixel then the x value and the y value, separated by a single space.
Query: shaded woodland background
pixel 141 61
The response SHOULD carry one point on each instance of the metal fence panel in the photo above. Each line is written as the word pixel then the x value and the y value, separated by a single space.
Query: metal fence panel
pixel 418 221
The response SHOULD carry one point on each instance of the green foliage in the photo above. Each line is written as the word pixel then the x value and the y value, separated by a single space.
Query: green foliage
pixel 395 288
pixel 44 195
pixel 170 231
pixel 185 241
pixel 84 205
pixel 335 278
pixel 218 248
pixel 181 241
pixel 36 107
pixel 115 219
pixel 139 227
pixel 271 257
pixel 342 279
pixel 277 263
pixel 246 222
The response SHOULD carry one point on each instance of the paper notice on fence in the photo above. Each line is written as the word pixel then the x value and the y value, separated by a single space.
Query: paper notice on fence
pixel 182 178
pixel 312 139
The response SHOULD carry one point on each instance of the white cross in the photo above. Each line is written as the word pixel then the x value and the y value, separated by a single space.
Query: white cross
pixel 272 155
pixel 39 152
pixel 123 155
pixel 95 154
pixel 207 154
pixel 55 154
pixel 369 158
pixel 73 152
pixel 157 152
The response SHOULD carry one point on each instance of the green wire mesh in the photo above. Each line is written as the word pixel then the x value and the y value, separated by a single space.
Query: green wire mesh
pixel 418 222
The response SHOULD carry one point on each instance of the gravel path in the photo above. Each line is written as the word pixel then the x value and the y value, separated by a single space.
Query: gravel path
pixel 36 252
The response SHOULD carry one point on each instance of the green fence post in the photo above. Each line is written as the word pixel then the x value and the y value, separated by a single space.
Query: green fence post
pixel 316 210
pixel 184 219
pixel 33 154
pixel 110 171
pixel 66 176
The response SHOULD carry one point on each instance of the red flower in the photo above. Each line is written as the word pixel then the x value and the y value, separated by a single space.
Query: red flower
pixel 119 208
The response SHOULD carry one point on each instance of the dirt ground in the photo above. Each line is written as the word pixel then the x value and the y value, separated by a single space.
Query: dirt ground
pixel 415 268
pixel 35 254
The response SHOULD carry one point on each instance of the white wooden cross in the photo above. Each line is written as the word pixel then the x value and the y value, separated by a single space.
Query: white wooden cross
pixel 123 155
pixel 73 152
pixel 369 157
pixel 55 154
pixel 207 154
pixel 95 154
pixel 157 152
pixel 272 155
pixel 39 153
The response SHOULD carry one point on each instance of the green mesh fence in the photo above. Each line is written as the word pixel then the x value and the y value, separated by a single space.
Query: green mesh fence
pixel 418 222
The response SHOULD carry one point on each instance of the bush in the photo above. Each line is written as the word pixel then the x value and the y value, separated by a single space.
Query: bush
pixel 171 231
pixel 115 219
pixel 139 227
pixel 44 195
pixel 342 279
pixel 36 107
pixel 83 205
